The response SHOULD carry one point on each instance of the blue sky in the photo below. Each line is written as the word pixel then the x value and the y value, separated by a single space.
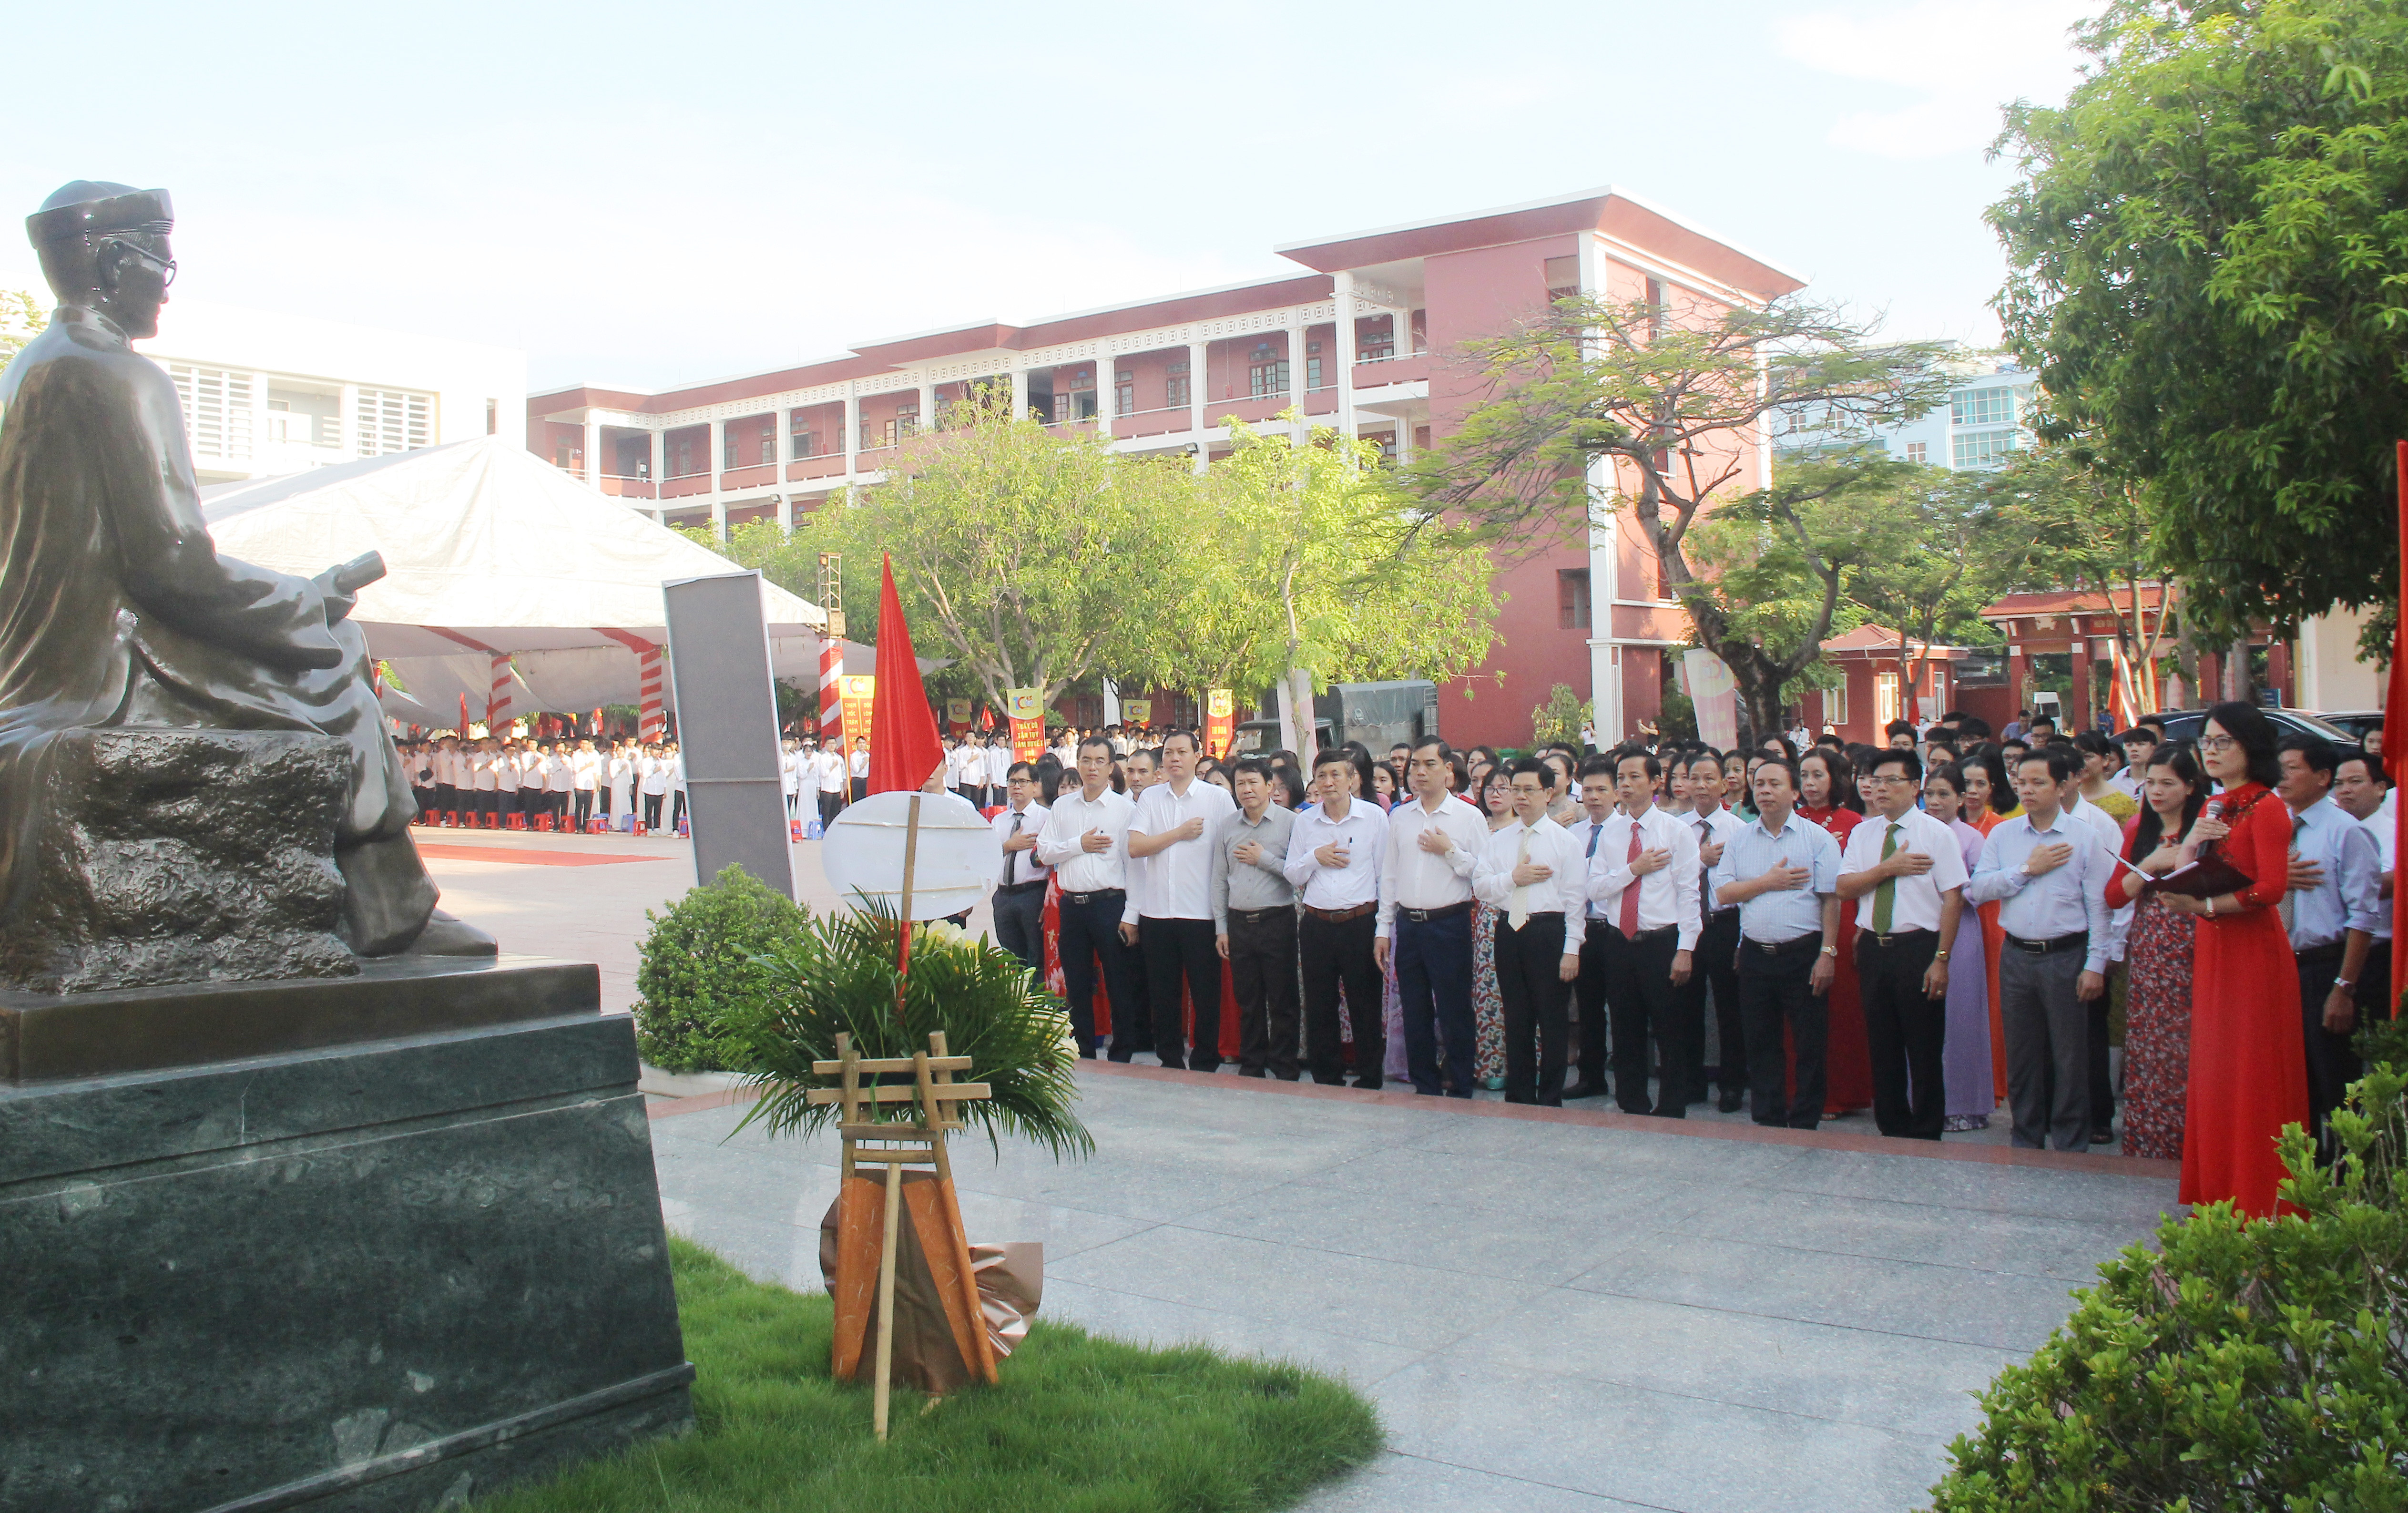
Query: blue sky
pixel 650 195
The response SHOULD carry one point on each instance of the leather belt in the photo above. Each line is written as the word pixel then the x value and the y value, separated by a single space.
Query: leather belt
pixel 1898 937
pixel 1535 914
pixel 1776 947
pixel 1339 917
pixel 1021 887
pixel 1424 916
pixel 1085 899
pixel 1256 917
pixel 2075 942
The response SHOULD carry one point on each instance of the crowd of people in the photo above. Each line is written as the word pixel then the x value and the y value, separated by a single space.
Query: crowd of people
pixel 1949 930
pixel 567 785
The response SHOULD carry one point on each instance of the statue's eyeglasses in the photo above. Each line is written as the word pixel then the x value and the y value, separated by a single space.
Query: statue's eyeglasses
pixel 167 265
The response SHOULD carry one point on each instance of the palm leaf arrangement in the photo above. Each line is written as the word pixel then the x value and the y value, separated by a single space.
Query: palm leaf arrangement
pixel 838 976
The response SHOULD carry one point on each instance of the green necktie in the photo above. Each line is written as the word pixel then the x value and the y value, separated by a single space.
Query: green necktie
pixel 1887 894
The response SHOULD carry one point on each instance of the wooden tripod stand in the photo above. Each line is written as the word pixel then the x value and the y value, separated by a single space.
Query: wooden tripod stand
pixel 895 1143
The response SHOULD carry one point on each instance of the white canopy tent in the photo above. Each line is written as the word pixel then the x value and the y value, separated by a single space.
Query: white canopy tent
pixel 490 551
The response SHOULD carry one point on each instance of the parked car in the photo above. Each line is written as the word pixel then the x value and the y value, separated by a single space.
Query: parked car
pixel 2186 724
pixel 2358 722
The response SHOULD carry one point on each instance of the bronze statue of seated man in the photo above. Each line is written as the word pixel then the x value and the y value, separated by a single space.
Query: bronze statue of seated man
pixel 118 614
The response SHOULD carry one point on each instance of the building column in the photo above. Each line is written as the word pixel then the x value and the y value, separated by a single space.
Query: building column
pixel 717 444
pixel 1198 353
pixel 927 406
pixel 1295 375
pixel 592 451
pixel 786 515
pixel 660 456
pixel 1342 337
pixel 2076 714
pixel 1404 440
pixel 1020 393
pixel 852 429
pixel 1604 538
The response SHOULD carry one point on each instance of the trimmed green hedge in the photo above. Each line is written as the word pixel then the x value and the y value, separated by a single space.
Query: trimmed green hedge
pixel 2240 1366
pixel 701 970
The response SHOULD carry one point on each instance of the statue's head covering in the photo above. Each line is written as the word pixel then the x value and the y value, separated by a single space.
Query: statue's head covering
pixel 88 208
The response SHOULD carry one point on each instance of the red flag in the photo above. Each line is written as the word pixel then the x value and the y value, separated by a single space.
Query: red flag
pixel 2395 709
pixel 904 748
pixel 464 717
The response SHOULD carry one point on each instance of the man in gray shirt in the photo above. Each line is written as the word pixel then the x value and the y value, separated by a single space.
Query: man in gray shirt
pixel 2050 871
pixel 1254 917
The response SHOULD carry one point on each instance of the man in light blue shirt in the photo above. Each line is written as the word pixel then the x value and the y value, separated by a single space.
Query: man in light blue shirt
pixel 1784 876
pixel 2331 912
pixel 2049 874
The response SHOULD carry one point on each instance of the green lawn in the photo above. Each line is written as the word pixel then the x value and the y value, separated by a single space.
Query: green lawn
pixel 1078 1425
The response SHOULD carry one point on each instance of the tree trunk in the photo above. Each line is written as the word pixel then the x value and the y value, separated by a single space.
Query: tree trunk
pixel 1760 700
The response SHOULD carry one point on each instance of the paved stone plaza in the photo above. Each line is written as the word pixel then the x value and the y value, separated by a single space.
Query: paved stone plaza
pixel 1569 1310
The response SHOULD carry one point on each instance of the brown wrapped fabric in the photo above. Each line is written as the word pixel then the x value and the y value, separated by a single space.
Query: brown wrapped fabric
pixel 957 1307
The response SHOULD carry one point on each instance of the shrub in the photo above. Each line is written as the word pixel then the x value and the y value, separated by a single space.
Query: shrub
pixel 701 967
pixel 2244 1366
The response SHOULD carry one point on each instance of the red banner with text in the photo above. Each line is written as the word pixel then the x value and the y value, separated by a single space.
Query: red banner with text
pixel 1220 722
pixel 1027 724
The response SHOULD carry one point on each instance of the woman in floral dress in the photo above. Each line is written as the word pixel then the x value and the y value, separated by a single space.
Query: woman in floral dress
pixel 2158 955
pixel 1496 800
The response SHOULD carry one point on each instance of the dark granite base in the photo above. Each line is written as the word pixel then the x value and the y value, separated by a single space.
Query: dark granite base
pixel 383 1276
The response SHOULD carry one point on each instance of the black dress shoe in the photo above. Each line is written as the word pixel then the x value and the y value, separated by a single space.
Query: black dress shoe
pixel 1732 1099
pixel 1584 1090
pixel 1368 1084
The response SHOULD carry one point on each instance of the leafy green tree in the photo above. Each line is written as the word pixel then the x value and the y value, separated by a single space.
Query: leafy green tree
pixel 1561 717
pixel 21 321
pixel 1033 560
pixel 1939 546
pixel 2209 264
pixel 1672 401
pixel 1312 561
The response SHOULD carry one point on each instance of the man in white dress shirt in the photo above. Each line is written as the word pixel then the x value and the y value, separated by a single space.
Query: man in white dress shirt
pixel 484 779
pixel 1333 859
pixel 1644 875
pixel 2360 788
pixel 859 770
pixel 1019 900
pixel 829 769
pixel 2331 912
pixel 1533 872
pixel 996 760
pixel 1599 804
pixel 1717 952
pixel 1906 873
pixel 1172 835
pixel 652 775
pixel 1784 874
pixel 1085 841
pixel 1434 842
pixel 586 779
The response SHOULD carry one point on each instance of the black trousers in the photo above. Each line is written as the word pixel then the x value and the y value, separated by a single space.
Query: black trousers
pixel 2374 983
pixel 1262 972
pixel 677 806
pixel 447 798
pixel 1588 1000
pixel 1176 949
pixel 490 802
pixel 1020 923
pixel 1336 952
pixel 831 804
pixel 1091 933
pixel 1716 966
pixel 652 810
pixel 1639 996
pixel 1776 993
pixel 1434 979
pixel 1530 985
pixel 533 801
pixel 2333 1062
pixel 1904 1031
pixel 584 807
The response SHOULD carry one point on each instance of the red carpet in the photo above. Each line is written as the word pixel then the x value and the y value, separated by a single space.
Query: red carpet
pixel 436 851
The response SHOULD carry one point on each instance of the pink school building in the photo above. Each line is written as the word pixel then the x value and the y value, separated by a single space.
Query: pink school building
pixel 1364 337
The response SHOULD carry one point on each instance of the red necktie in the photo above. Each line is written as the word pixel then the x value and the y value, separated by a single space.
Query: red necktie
pixel 1630 921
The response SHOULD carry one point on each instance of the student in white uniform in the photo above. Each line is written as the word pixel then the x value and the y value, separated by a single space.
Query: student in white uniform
pixel 860 769
pixel 790 773
pixel 484 779
pixel 997 776
pixel 559 782
pixel 677 784
pixel 619 790
pixel 585 772
pixel 830 772
pixel 653 776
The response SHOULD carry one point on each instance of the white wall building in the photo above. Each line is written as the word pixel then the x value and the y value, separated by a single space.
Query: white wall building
pixel 1984 417
pixel 266 393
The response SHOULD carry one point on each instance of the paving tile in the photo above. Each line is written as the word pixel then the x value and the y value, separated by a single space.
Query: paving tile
pixel 1148 1321
pixel 1419 1308
pixel 1396 1483
pixel 2092 1198
pixel 1900 1230
pixel 1480 1233
pixel 1652 1448
pixel 2002 1310
pixel 1814 1370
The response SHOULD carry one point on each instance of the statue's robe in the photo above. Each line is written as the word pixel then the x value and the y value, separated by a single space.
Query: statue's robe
pixel 116 610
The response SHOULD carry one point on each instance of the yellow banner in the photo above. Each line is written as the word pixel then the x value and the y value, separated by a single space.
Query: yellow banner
pixel 1027 718
pixel 858 693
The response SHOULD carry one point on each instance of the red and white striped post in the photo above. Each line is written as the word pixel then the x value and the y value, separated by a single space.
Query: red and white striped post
pixel 654 725
pixel 497 705
pixel 831 691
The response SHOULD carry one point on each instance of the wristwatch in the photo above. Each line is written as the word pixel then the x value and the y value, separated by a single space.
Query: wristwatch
pixel 1938 955
pixel 2343 982
pixel 1830 950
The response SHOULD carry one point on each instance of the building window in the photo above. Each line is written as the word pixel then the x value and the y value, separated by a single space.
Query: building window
pixel 1980 448
pixel 1885 697
pixel 1375 343
pixel 1563 279
pixel 806 440
pixel 1659 319
pixel 393 420
pixel 1312 366
pixel 216 411
pixel 769 444
pixel 1571 598
pixel 1994 406
pixel 1083 379
pixel 1835 704
pixel 1124 392
pixel 1918 452
pixel 907 420
pixel 1178 397
pixel 1266 373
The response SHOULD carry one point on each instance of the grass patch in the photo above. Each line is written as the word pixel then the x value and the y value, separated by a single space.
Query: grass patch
pixel 1078 1425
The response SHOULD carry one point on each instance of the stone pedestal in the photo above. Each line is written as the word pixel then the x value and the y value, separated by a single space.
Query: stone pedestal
pixel 389 1274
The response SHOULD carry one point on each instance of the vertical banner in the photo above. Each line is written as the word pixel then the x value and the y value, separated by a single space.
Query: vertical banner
pixel 1714 694
pixel 1027 724
pixel 859 692
pixel 957 714
pixel 1220 722
pixel 1136 711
